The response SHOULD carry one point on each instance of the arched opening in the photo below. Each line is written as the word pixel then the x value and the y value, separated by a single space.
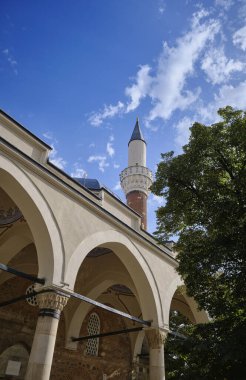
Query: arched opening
pixel 181 306
pixel 32 206
pixel 104 277
pixel 22 249
pixel 183 314
pixel 139 272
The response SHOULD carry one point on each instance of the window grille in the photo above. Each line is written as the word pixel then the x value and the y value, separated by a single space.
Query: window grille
pixel 93 328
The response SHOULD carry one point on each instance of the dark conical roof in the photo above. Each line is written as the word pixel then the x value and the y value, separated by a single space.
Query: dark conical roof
pixel 137 133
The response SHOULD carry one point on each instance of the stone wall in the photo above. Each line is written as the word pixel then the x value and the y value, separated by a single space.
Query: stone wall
pixel 17 326
pixel 114 355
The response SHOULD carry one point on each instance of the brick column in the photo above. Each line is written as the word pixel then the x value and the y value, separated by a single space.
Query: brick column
pixel 51 305
pixel 156 339
pixel 137 200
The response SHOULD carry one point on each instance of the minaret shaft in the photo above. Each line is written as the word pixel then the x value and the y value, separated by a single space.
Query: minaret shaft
pixel 137 153
pixel 137 200
pixel 136 179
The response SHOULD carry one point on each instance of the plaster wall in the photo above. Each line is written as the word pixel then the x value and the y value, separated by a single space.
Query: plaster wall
pixel 120 210
pixel 23 141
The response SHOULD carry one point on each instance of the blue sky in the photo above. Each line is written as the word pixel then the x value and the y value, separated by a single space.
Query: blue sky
pixel 78 73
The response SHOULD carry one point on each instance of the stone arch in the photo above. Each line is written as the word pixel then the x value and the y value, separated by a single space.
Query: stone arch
pixel 138 344
pixel 200 316
pixel 134 262
pixel 83 309
pixel 39 217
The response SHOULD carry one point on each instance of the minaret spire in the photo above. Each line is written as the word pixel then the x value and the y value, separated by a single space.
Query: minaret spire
pixel 136 179
pixel 137 133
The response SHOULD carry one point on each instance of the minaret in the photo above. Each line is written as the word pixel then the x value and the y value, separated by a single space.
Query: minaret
pixel 136 179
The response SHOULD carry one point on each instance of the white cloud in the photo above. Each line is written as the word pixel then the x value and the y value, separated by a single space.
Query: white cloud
pixel 78 171
pixel 48 135
pixel 239 38
pixel 162 7
pixel 227 95
pixel 183 132
pixel 233 96
pixel 152 127
pixel 97 118
pixel 110 149
pixel 140 89
pixel 117 186
pixel 116 166
pixel 242 10
pixel 226 4
pixel 167 87
pixel 155 201
pixel 102 162
pixel 218 67
pixel 53 157
pixel 158 200
pixel 10 59
pixel 176 64
pixel 57 160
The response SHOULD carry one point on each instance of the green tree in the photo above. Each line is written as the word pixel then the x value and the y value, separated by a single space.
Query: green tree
pixel 205 193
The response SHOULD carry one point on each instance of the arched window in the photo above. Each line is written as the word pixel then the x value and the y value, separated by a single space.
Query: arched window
pixel 93 328
pixel 13 362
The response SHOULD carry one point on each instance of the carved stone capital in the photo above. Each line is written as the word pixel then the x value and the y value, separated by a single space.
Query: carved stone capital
pixel 156 337
pixel 52 300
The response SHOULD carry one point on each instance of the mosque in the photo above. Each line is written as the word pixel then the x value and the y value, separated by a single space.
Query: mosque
pixel 85 291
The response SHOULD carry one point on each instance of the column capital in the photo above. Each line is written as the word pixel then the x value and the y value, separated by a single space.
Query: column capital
pixel 51 303
pixel 156 337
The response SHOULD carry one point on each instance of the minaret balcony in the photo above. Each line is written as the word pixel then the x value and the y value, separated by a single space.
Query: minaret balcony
pixel 136 169
pixel 136 178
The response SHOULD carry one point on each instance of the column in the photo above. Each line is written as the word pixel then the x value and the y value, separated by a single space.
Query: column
pixel 51 305
pixel 156 338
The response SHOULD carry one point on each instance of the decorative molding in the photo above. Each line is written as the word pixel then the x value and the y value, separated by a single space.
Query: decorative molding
pixel 52 300
pixel 156 337
pixel 135 178
pixel 32 300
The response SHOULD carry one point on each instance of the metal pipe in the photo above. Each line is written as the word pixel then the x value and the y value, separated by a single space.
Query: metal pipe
pixel 117 332
pixel 18 273
pixel 108 308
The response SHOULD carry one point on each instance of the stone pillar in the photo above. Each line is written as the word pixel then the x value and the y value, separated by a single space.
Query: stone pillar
pixel 156 339
pixel 51 305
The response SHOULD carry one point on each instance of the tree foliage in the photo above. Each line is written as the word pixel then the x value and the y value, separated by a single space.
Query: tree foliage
pixel 205 193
